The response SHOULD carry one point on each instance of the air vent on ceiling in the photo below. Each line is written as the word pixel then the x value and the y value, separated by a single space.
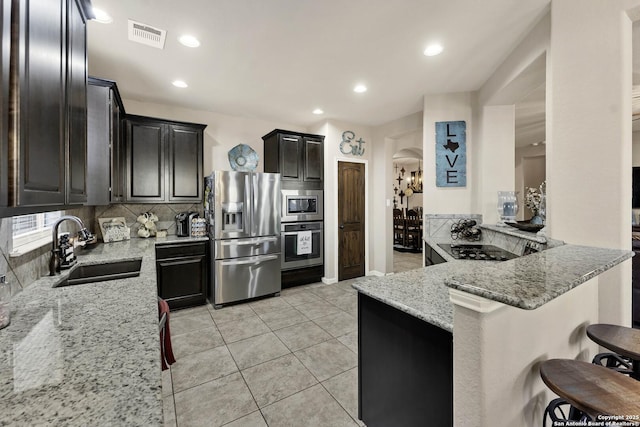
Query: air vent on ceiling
pixel 146 34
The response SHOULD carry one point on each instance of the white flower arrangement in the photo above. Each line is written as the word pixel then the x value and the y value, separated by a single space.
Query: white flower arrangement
pixel 533 197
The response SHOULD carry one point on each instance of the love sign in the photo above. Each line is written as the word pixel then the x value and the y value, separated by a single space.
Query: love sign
pixel 451 154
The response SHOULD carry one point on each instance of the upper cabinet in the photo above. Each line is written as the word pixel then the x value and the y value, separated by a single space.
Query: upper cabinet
pixel 47 103
pixel 105 143
pixel 163 161
pixel 298 157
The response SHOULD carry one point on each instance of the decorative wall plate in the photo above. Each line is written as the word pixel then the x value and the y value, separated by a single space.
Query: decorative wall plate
pixel 243 158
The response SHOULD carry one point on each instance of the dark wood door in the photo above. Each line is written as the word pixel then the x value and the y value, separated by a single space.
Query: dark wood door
pixel 351 220
pixel 40 104
pixel 182 281
pixel 76 105
pixel 185 164
pixel 145 161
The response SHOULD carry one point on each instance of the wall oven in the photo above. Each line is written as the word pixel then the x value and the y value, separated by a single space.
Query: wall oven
pixel 302 205
pixel 302 245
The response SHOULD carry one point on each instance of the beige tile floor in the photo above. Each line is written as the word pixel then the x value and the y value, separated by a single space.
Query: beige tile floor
pixel 280 361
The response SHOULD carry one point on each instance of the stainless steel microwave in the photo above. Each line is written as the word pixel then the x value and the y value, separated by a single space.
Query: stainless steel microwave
pixel 302 205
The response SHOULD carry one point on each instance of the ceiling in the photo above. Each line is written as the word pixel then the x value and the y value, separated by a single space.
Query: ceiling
pixel 280 59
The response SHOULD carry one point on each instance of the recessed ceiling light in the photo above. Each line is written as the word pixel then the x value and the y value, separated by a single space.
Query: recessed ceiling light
pixel 180 83
pixel 318 111
pixel 360 89
pixel 433 50
pixel 102 16
pixel 189 41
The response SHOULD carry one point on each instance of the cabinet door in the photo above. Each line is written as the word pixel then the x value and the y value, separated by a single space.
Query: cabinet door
pixel 117 149
pixel 40 104
pixel 98 118
pixel 145 161
pixel 290 150
pixel 313 160
pixel 76 105
pixel 182 281
pixel 185 164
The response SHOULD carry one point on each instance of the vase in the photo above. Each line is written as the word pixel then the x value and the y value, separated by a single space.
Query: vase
pixel 507 207
pixel 536 219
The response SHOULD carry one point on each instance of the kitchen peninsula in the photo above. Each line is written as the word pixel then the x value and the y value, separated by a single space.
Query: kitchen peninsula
pixel 459 343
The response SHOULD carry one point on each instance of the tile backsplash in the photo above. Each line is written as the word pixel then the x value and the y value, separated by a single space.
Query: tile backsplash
pixel 166 214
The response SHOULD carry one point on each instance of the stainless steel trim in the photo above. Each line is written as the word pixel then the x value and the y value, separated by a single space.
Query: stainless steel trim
pixel 257 241
pixel 318 195
pixel 251 260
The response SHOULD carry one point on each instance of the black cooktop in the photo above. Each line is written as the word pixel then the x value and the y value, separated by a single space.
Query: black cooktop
pixel 477 252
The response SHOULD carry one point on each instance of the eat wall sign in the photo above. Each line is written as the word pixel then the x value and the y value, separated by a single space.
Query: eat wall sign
pixel 451 154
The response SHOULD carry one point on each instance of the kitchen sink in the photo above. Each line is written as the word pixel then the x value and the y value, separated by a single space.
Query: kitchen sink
pixel 89 273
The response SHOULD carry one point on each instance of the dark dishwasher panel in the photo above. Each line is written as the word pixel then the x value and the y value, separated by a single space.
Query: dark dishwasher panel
pixel 181 273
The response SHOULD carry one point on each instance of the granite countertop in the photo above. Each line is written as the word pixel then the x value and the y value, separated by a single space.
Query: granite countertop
pixel 525 282
pixel 533 280
pixel 86 354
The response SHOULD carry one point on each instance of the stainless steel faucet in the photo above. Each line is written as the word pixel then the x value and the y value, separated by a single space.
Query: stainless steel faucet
pixel 83 234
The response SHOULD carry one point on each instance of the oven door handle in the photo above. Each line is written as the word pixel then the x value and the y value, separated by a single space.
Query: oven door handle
pixel 253 260
pixel 292 233
pixel 258 241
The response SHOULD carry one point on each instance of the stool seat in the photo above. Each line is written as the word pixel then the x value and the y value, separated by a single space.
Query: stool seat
pixel 592 389
pixel 620 339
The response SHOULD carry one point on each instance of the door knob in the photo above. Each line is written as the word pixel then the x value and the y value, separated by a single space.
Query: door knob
pixel 341 226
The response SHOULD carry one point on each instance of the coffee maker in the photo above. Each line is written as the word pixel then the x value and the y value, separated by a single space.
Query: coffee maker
pixel 183 223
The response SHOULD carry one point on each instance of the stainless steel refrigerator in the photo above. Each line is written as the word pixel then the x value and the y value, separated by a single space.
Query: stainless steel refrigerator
pixel 243 215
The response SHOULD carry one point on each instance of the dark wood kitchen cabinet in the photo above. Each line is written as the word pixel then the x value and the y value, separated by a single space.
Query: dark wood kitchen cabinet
pixel 47 96
pixel 181 273
pixel 163 161
pixel 104 142
pixel 298 157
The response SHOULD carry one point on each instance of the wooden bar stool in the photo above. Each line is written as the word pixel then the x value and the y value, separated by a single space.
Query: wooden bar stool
pixel 623 341
pixel 592 389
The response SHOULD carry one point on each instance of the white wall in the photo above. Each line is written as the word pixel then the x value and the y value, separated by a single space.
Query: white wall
pixel 223 132
pixel 589 154
pixel 333 137
pixel 495 153
pixel 438 108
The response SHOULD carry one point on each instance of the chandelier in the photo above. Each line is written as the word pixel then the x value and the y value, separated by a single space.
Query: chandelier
pixel 415 181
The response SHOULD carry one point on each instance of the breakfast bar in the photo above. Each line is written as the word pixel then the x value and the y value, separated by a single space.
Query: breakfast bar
pixel 457 318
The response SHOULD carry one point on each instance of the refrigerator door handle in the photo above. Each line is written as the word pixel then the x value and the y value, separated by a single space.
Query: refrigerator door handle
pixel 258 241
pixel 252 260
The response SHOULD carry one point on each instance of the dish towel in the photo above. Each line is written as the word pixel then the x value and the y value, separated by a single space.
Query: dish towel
pixel 304 243
pixel 166 351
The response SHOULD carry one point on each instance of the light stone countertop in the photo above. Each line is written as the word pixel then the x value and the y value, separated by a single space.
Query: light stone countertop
pixel 86 354
pixel 526 282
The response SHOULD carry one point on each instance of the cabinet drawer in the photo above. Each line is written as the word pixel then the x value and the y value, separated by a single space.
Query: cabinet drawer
pixel 181 249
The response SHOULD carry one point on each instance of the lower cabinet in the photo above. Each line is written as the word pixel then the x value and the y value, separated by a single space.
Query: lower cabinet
pixel 181 273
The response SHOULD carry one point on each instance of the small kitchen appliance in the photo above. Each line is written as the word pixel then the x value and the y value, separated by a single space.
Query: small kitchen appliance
pixel 190 217
pixel 182 224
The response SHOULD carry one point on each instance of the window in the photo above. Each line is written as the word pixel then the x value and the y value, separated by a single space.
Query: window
pixel 32 231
